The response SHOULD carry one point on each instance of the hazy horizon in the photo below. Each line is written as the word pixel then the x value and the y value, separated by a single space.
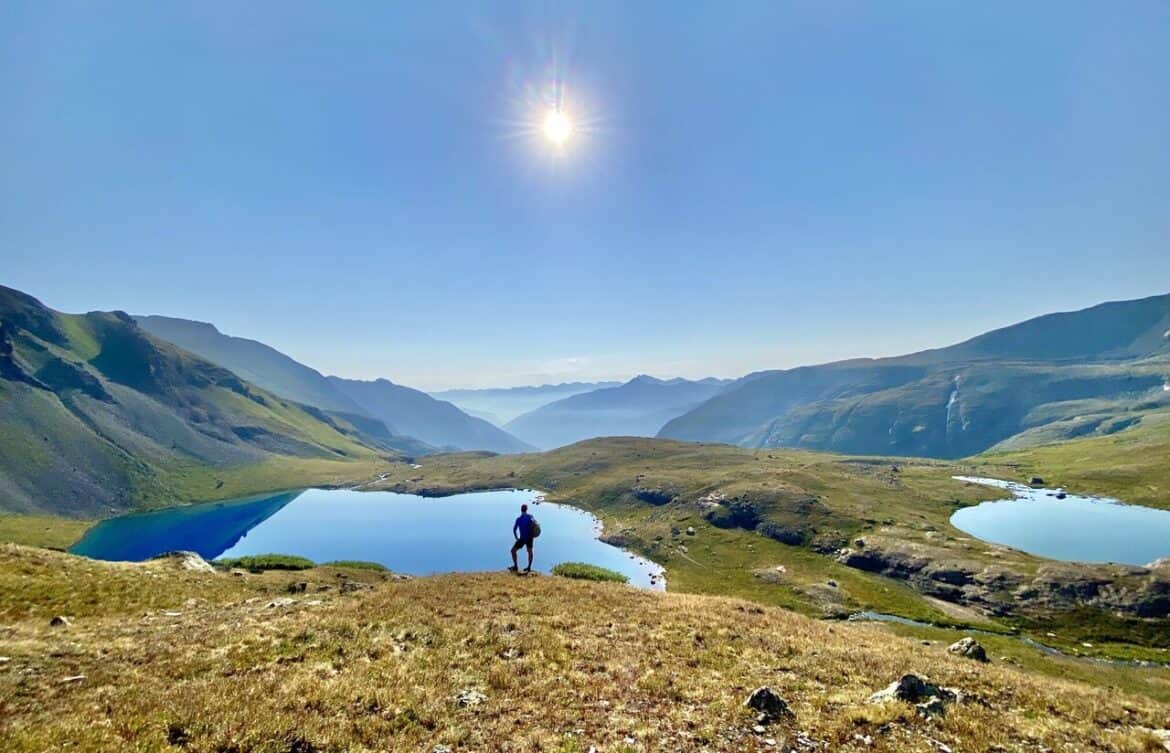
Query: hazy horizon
pixel 745 187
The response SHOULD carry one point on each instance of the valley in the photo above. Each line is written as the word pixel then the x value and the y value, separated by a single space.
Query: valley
pixel 826 499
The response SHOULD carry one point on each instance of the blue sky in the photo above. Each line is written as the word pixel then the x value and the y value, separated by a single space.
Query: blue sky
pixel 751 185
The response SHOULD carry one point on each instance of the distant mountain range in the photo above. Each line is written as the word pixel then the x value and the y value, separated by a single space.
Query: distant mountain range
pixel 403 410
pixel 501 405
pixel 637 408
pixel 98 415
pixel 417 414
pixel 1054 377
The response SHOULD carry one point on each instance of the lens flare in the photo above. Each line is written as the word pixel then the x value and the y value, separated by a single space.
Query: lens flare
pixel 557 127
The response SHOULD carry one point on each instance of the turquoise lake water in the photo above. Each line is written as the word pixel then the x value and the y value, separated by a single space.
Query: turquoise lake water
pixel 404 532
pixel 1074 529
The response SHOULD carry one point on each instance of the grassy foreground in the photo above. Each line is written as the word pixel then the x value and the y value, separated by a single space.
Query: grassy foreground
pixel 156 658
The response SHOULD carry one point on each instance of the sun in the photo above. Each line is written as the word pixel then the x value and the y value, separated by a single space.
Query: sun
pixel 557 127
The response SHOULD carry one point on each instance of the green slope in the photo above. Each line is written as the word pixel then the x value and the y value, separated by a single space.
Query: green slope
pixel 100 416
pixel 254 361
pixel 1109 360
pixel 1132 465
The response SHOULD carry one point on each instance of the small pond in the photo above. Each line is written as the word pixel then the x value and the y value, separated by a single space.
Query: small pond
pixel 404 532
pixel 1051 523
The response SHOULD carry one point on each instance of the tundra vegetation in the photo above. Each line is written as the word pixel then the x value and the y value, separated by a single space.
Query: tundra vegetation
pixel 160 657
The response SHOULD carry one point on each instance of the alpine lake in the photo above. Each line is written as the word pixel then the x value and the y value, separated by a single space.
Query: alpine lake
pixel 406 533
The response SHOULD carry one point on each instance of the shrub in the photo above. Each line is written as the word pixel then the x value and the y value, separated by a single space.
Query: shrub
pixel 357 565
pixel 584 571
pixel 259 562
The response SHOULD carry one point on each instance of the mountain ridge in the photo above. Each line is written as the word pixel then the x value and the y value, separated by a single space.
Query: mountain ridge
pixel 417 414
pixel 639 407
pixel 883 406
pixel 412 413
pixel 101 416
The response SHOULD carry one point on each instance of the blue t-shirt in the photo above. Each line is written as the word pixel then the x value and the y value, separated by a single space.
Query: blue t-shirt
pixel 523 525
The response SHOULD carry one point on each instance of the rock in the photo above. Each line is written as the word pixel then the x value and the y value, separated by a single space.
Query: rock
pixel 783 534
pixel 278 603
pixel 298 588
pixel 1036 481
pixel 441 749
pixel 931 708
pixel 185 560
pixel 469 698
pixel 351 586
pixel 1061 495
pixel 968 647
pixel 654 496
pixel 690 530
pixel 911 688
pixel 60 621
pixel 770 705
pixel 831 583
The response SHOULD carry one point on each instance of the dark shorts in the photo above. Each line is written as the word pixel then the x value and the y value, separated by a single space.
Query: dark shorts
pixel 523 542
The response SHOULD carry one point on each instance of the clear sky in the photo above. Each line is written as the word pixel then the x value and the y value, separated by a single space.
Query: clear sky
pixel 748 186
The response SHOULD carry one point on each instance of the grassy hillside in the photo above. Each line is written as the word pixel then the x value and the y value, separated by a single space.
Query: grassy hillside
pixel 256 362
pixel 1032 381
pixel 99 416
pixel 1133 465
pixel 827 535
pixel 168 659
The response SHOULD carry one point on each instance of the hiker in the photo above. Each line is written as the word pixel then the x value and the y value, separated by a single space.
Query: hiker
pixel 525 529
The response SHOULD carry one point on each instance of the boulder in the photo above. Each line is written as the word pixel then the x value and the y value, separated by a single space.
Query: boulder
pixel 690 530
pixel 911 688
pixel 1036 481
pixel 931 708
pixel 60 621
pixel 969 648
pixel 187 561
pixel 770 705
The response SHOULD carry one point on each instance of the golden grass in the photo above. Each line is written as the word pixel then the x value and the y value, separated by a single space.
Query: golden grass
pixel 41 530
pixel 172 660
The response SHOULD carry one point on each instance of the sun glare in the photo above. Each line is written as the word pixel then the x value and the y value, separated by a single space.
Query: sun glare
pixel 557 127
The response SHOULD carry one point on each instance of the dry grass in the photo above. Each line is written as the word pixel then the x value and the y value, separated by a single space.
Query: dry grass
pixel 181 661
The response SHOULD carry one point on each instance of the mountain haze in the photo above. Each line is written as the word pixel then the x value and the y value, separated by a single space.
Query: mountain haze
pixel 501 405
pixel 637 408
pixel 433 421
pixel 1079 373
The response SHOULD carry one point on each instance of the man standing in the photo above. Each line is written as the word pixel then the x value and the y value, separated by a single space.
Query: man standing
pixel 522 530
